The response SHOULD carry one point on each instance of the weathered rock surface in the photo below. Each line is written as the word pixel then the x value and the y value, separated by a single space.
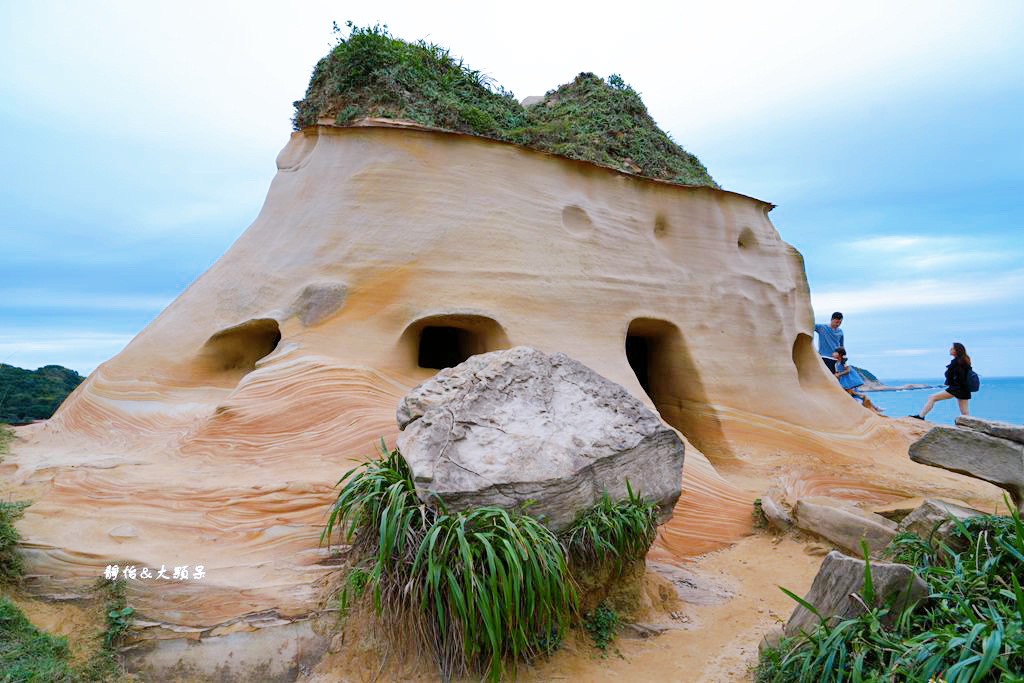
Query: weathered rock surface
pixel 507 427
pixel 932 515
pixel 993 459
pixel 1003 430
pixel 774 510
pixel 844 524
pixel 377 250
pixel 841 576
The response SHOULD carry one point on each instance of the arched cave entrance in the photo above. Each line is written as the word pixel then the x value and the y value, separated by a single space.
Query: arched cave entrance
pixel 661 361
pixel 444 341
pixel 809 366
pixel 232 353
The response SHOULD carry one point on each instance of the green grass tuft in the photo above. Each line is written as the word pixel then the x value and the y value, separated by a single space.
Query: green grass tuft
pixel 478 589
pixel 28 654
pixel 11 563
pixel 617 533
pixel 970 629
pixel 6 437
pixel 372 73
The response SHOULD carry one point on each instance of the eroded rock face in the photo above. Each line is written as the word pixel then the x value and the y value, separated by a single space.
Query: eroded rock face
pixel 841 576
pixel 380 256
pixel 933 515
pixel 508 427
pixel 994 459
pixel 844 524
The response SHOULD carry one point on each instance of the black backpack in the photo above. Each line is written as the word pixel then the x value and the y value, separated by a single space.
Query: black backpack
pixel 973 381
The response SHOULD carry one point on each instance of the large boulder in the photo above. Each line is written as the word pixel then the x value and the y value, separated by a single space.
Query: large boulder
pixel 840 577
pixel 843 524
pixel 994 459
pixel 507 427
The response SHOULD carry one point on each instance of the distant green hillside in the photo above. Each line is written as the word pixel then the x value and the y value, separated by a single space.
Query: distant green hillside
pixel 372 74
pixel 27 395
pixel 867 374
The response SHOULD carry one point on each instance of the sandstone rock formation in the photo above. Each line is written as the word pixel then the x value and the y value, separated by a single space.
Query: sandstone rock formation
pixel 996 459
pixel 509 427
pixel 381 255
pixel 840 577
pixel 844 524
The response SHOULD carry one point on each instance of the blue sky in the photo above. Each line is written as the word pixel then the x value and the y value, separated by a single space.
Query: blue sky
pixel 140 141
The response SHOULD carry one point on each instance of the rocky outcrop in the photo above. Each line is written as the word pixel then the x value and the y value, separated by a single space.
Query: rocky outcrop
pixel 843 524
pixel 1003 430
pixel 508 427
pixel 841 578
pixel 933 516
pixel 990 451
pixel 380 256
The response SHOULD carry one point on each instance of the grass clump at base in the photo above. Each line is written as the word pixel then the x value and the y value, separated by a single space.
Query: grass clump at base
pixel 11 563
pixel 616 533
pixel 28 654
pixel 477 589
pixel 373 74
pixel 971 627
pixel 6 437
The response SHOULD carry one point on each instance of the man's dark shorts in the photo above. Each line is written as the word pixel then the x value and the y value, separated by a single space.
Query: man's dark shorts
pixel 830 363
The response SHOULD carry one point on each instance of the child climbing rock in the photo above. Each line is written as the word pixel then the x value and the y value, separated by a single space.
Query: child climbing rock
pixel 850 379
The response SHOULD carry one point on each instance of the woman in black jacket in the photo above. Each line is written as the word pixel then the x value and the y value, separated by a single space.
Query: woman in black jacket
pixel 956 382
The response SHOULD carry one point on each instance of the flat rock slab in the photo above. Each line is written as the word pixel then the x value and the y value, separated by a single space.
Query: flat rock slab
pixel 840 577
pixel 1004 430
pixel 507 427
pixel 691 587
pixel 843 524
pixel 993 459
pixel 933 515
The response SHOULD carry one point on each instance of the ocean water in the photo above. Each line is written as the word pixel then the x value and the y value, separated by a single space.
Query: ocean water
pixel 1000 398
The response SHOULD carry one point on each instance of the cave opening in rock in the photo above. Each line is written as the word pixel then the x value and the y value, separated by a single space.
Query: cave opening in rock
pixel 661 360
pixel 234 351
pixel 444 341
pixel 810 369
pixel 445 347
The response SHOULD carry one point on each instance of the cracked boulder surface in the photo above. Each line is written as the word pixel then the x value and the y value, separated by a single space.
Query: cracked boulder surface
pixel 510 427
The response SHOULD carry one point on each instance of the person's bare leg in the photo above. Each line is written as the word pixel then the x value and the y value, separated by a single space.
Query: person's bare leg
pixel 962 402
pixel 941 396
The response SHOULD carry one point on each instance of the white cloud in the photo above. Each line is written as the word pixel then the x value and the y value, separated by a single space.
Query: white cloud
pixel 924 253
pixel 906 294
pixel 81 351
pixel 43 298
pixel 899 353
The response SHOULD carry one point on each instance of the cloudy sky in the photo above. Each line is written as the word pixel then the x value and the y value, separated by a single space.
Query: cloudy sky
pixel 139 141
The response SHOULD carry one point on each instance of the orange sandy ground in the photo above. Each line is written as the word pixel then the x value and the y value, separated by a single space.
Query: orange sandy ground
pixel 708 642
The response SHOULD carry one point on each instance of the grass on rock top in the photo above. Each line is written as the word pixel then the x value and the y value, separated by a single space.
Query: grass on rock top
pixel 373 74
